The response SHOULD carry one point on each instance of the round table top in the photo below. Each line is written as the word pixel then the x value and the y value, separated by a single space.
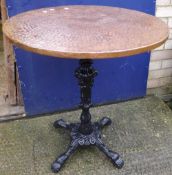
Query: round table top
pixel 86 31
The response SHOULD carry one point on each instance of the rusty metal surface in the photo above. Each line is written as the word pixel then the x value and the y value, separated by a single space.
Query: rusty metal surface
pixel 86 31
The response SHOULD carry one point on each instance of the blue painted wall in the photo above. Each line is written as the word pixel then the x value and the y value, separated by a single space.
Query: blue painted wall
pixel 49 84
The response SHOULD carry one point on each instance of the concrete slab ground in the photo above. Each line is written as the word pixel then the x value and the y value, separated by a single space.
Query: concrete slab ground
pixel 141 132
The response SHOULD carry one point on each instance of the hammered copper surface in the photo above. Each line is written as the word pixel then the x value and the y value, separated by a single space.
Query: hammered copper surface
pixel 86 31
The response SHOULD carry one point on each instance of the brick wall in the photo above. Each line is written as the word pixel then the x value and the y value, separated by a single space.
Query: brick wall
pixel 160 73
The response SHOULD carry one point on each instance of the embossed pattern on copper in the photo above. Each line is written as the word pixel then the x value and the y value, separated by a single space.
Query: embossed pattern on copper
pixel 86 31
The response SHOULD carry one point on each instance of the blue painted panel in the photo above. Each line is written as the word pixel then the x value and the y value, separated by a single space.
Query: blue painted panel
pixel 48 84
pixel 18 6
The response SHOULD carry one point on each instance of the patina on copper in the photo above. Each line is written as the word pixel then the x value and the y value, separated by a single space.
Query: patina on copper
pixel 86 31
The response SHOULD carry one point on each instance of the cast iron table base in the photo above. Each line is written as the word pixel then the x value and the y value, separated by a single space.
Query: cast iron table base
pixel 85 133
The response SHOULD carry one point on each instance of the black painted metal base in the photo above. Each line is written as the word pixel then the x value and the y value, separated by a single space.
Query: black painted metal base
pixel 85 133
pixel 80 140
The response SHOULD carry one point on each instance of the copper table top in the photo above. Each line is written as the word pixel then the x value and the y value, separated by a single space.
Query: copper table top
pixel 86 31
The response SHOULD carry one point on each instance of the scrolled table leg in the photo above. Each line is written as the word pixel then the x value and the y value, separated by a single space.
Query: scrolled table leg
pixel 60 161
pixel 115 158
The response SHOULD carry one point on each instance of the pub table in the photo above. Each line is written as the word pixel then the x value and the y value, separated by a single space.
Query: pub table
pixel 85 33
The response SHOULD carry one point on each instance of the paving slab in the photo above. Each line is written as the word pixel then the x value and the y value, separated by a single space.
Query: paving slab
pixel 141 132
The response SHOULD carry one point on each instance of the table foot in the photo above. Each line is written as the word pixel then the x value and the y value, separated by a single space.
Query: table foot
pixel 61 124
pixel 114 157
pixel 59 162
pixel 79 139
pixel 105 121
